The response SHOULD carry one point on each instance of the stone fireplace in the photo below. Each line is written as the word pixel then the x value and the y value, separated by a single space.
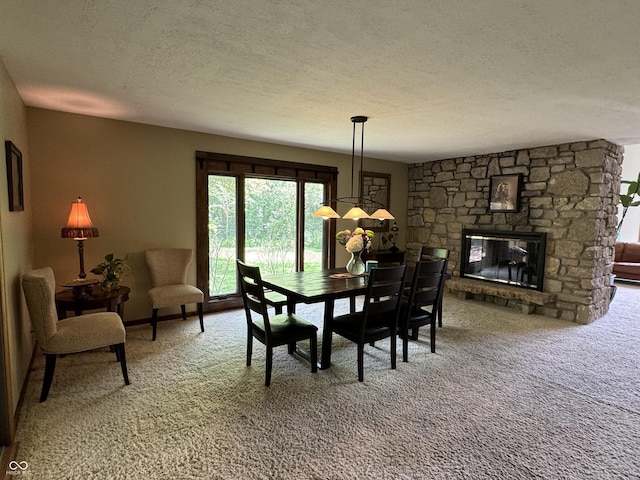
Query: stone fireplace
pixel 569 192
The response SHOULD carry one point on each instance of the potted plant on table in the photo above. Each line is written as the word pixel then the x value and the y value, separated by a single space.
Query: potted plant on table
pixel 112 270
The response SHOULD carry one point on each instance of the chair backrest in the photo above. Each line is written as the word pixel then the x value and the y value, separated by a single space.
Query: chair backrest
pixel 429 253
pixel 168 266
pixel 39 292
pixel 427 284
pixel 382 300
pixel 252 290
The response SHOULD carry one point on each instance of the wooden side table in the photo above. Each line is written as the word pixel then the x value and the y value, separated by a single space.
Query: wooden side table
pixel 91 299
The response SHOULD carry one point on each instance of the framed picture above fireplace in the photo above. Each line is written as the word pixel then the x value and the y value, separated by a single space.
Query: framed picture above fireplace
pixel 504 193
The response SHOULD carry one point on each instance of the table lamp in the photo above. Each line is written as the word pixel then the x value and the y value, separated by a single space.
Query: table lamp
pixel 79 227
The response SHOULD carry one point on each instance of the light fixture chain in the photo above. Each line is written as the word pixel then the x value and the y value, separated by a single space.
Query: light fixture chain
pixel 353 152
pixel 360 198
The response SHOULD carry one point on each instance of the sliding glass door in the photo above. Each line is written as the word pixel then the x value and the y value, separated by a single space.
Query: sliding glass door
pixel 315 229
pixel 222 234
pixel 264 220
pixel 270 233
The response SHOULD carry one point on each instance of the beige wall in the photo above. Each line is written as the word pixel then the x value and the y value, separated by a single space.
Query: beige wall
pixel 15 242
pixel 139 184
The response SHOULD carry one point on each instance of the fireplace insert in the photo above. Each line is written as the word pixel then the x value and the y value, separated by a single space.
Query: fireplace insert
pixel 512 258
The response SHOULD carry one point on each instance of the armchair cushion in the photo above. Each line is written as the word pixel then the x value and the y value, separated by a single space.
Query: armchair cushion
pixel 86 332
pixel 170 295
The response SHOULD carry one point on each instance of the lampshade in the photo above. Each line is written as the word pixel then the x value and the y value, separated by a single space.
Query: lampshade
pixel 355 213
pixel 325 212
pixel 79 225
pixel 382 214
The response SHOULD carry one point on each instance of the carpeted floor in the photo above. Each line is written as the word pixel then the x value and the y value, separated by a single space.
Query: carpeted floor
pixel 506 396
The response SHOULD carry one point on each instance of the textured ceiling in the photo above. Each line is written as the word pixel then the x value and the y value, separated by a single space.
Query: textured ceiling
pixel 438 79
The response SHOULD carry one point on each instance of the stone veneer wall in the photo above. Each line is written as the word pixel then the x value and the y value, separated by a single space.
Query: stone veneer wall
pixel 570 191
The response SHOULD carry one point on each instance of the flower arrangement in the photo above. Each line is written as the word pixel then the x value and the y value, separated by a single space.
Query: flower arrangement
pixel 112 270
pixel 355 241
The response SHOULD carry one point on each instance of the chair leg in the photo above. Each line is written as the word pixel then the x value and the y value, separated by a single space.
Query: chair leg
pixel 405 348
pixel 361 362
pixel 414 333
pixel 313 345
pixel 249 348
pixel 154 323
pixel 394 352
pixel 433 335
pixel 123 362
pixel 291 348
pixel 49 367
pixel 200 316
pixel 183 308
pixel 403 331
pixel 440 313
pixel 267 376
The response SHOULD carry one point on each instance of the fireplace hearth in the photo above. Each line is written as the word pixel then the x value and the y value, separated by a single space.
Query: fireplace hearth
pixel 504 257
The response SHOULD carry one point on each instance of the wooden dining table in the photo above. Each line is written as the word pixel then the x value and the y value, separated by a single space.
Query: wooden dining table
pixel 314 287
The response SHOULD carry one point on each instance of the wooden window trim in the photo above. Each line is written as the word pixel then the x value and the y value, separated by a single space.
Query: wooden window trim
pixel 209 163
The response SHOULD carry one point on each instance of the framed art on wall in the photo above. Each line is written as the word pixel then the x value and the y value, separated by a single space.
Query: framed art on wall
pixel 504 191
pixel 14 177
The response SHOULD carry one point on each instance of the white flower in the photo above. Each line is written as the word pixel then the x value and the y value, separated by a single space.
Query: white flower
pixel 355 244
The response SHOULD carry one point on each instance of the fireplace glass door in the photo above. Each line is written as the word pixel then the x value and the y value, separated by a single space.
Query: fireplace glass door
pixel 511 258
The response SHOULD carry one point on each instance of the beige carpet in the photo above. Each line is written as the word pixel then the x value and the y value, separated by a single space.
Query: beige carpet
pixel 506 396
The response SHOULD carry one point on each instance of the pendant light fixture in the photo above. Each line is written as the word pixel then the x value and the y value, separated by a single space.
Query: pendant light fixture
pixel 356 212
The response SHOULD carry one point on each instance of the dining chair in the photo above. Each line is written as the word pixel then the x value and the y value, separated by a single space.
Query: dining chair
pixel 71 335
pixel 430 253
pixel 420 306
pixel 272 331
pixel 378 318
pixel 169 267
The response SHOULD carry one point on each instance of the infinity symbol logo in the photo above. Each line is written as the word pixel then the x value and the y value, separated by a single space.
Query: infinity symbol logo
pixel 13 465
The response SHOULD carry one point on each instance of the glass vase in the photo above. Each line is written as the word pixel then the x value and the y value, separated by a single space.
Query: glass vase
pixel 355 265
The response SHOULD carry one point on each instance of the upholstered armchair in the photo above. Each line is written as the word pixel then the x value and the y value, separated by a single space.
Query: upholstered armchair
pixel 169 267
pixel 71 335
